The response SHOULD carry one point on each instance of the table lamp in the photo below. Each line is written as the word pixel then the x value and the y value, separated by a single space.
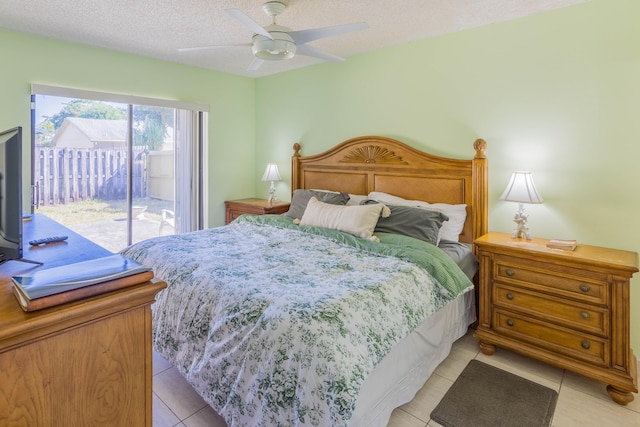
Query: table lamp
pixel 521 189
pixel 271 174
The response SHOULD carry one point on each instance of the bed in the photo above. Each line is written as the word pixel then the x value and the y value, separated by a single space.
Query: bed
pixel 282 320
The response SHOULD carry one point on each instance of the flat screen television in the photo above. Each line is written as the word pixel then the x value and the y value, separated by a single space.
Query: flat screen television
pixel 11 194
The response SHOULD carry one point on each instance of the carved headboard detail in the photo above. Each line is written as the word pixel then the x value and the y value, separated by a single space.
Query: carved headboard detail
pixel 372 154
pixel 375 163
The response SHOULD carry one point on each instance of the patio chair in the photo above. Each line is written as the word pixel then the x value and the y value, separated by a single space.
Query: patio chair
pixel 138 211
pixel 168 218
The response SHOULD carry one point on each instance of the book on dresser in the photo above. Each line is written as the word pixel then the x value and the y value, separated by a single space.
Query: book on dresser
pixel 58 285
pixel 567 245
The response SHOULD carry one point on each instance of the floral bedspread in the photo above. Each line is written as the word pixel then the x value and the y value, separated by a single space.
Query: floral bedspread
pixel 276 324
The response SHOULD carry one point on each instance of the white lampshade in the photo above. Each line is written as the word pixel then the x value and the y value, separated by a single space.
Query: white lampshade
pixel 271 173
pixel 521 189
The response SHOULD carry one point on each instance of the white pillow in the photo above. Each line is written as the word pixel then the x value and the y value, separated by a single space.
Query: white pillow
pixel 450 229
pixel 357 220
pixel 389 198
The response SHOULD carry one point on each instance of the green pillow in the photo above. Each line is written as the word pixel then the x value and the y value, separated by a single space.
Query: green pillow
pixel 301 198
pixel 412 222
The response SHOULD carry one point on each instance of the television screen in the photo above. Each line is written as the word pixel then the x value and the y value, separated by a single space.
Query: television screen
pixel 11 194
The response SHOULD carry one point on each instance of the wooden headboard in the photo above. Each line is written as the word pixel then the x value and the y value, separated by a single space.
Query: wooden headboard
pixel 374 163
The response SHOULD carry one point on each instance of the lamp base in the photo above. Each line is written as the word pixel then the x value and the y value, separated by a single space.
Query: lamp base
pixel 272 194
pixel 520 218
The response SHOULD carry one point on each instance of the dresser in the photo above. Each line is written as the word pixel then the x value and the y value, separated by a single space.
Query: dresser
pixel 235 208
pixel 88 362
pixel 566 308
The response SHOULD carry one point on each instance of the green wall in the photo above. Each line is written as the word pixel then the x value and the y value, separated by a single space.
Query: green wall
pixel 29 59
pixel 556 93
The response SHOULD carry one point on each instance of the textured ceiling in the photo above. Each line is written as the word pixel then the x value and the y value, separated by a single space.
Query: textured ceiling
pixel 158 28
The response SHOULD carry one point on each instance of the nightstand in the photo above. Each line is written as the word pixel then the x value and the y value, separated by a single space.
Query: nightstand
pixel 235 208
pixel 566 308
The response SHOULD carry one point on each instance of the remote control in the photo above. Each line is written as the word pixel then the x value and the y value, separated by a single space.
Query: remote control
pixel 46 240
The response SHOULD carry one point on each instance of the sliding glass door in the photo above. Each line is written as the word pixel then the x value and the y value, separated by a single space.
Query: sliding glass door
pixel 116 172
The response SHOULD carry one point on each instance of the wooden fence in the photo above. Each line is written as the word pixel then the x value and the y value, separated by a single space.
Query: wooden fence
pixel 66 175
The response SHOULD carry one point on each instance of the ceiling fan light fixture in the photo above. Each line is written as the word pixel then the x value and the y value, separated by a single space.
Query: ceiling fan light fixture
pixel 281 47
pixel 276 43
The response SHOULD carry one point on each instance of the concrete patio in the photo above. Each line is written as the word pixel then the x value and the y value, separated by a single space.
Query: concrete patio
pixel 112 235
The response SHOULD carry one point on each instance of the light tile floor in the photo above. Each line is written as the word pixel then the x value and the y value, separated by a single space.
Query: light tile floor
pixel 581 401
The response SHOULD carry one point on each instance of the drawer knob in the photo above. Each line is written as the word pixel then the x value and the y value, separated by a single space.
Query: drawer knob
pixel 509 296
pixel 584 314
pixel 584 288
pixel 585 344
pixel 509 322
pixel 509 272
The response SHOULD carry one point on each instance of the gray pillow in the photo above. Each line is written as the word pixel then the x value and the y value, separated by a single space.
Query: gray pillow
pixel 301 198
pixel 413 222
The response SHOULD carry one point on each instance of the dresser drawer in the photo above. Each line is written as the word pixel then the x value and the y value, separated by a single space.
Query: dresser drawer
pixel 558 339
pixel 584 317
pixel 590 288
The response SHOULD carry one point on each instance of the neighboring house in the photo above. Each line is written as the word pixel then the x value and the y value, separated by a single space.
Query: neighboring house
pixel 77 132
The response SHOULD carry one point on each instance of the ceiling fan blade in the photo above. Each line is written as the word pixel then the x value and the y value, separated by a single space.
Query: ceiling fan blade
pixel 255 64
pixel 248 22
pixel 305 49
pixel 306 36
pixel 215 46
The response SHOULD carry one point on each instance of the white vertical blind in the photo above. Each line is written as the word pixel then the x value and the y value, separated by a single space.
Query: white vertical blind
pixel 188 161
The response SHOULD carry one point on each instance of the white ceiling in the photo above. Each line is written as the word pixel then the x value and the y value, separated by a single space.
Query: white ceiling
pixel 157 28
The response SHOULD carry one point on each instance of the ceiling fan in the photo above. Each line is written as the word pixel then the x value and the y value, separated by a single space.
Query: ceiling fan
pixel 275 42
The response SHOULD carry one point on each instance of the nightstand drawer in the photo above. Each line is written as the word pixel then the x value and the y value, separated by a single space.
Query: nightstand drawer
pixel 587 288
pixel 235 208
pixel 564 341
pixel 232 215
pixel 583 317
